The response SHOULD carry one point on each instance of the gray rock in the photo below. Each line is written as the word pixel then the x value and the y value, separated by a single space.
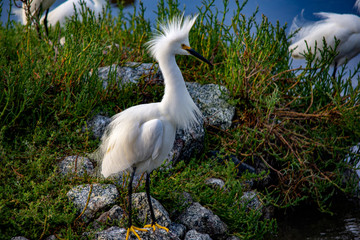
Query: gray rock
pixel 178 229
pixel 212 101
pixel 203 220
pixel 116 213
pixel 187 198
pixel 123 177
pixel 76 165
pixel 116 233
pixel 215 182
pixel 251 200
pixel 158 234
pixel 51 237
pixel 194 235
pixel 97 125
pixel 102 195
pixel 186 143
pixel 113 233
pixel 351 175
pixel 130 73
pixel 352 156
pixel 233 238
pixel 19 238
pixel 140 202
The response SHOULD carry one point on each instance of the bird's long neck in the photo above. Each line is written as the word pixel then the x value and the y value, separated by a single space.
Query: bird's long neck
pixel 174 81
pixel 176 101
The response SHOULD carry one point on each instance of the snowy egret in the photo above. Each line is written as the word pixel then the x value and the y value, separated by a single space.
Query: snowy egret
pixel 68 8
pixel 343 27
pixel 139 139
pixel 35 8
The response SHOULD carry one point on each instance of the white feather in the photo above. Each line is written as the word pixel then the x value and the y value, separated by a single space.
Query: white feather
pixel 343 27
pixel 36 7
pixel 357 5
pixel 67 9
pixel 176 32
pixel 134 139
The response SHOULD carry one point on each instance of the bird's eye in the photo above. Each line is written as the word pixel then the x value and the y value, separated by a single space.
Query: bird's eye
pixel 185 47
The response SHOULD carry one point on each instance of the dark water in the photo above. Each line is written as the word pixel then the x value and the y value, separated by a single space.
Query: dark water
pixel 308 223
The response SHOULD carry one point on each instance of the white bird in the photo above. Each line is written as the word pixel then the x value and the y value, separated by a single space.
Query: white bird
pixel 140 138
pixel 36 8
pixel 67 10
pixel 343 27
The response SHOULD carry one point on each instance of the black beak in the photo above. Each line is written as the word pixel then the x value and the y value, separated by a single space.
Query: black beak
pixel 198 55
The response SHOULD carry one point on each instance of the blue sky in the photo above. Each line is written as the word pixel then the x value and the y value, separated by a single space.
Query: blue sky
pixel 282 10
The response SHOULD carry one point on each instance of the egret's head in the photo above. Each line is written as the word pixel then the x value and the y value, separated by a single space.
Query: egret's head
pixel 173 38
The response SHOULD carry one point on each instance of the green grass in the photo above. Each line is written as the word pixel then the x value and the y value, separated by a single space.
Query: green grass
pixel 300 124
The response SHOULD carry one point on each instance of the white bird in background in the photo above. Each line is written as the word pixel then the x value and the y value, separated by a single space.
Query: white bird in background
pixel 36 8
pixel 140 138
pixel 67 10
pixel 343 27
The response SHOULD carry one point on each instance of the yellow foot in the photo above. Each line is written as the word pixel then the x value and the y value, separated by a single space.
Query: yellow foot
pixel 132 229
pixel 154 226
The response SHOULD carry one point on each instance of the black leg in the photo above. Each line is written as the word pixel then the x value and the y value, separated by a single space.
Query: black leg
pixel 45 22
pixel 129 195
pixel 147 187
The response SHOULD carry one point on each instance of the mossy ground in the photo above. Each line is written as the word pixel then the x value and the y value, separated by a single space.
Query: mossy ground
pixel 300 124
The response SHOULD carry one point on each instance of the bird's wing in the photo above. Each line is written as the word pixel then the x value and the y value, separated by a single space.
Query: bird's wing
pixel 348 49
pixel 312 33
pixel 20 14
pixel 47 4
pixel 63 11
pixel 357 5
pixel 130 145
pixel 149 141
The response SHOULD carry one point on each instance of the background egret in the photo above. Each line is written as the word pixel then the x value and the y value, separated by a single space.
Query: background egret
pixel 68 8
pixel 139 139
pixel 343 27
pixel 35 8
